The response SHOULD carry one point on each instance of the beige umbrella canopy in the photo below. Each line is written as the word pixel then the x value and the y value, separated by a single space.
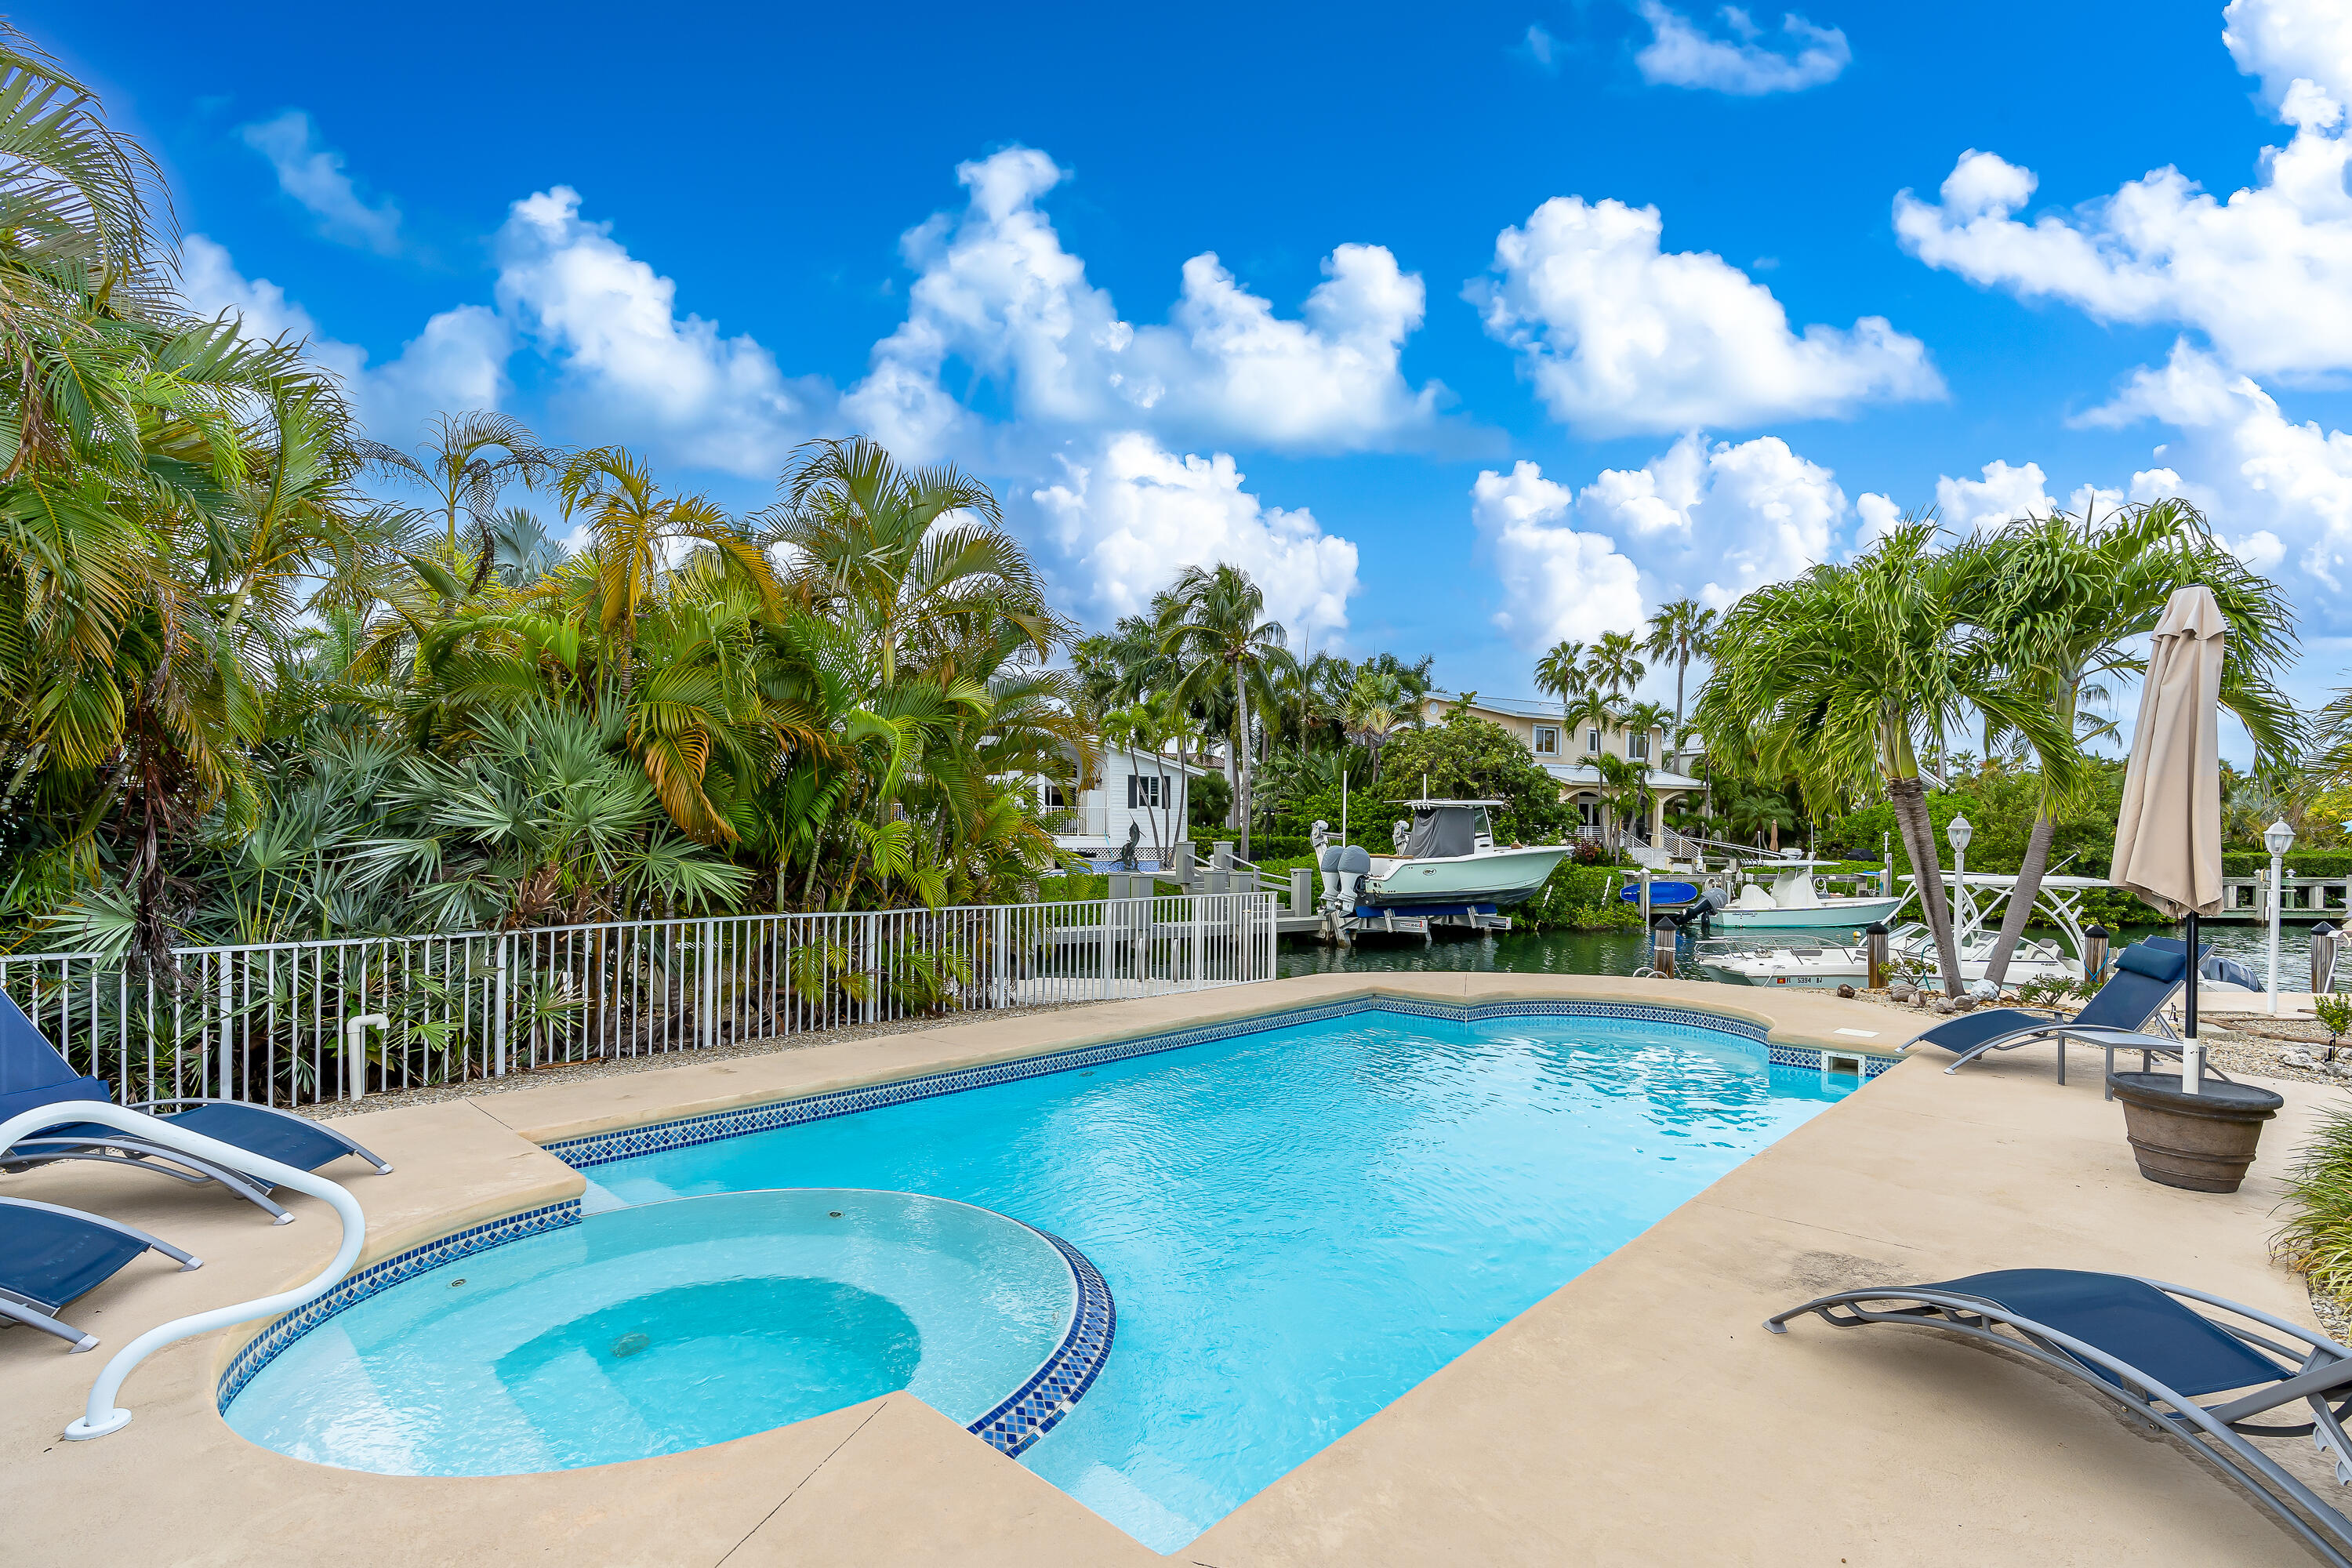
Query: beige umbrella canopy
pixel 2169 833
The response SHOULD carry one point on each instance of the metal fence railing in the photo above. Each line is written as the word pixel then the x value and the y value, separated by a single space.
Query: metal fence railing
pixel 297 1023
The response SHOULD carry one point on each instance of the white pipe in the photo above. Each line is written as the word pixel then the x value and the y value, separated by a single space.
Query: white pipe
pixel 101 1414
pixel 355 1047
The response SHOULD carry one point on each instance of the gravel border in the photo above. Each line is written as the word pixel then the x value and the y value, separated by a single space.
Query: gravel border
pixel 616 1066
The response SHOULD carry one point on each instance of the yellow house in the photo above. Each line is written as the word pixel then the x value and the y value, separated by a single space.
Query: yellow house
pixel 1565 753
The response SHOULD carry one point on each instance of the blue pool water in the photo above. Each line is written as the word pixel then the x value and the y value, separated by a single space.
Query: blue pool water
pixel 1298 1224
pixel 650 1330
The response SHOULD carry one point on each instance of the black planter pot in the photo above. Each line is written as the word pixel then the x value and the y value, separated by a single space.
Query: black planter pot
pixel 2202 1143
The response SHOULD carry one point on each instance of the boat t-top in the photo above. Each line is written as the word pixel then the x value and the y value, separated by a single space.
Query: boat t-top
pixel 1448 863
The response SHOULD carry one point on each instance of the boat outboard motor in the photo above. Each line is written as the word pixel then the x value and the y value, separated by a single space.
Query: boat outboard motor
pixel 1703 911
pixel 1345 865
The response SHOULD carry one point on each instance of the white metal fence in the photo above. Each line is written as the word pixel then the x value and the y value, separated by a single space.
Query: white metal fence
pixel 295 1023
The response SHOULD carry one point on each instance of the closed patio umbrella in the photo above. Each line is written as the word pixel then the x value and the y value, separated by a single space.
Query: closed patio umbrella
pixel 2169 833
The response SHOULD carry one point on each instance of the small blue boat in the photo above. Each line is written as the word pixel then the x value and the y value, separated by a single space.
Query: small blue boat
pixel 1662 895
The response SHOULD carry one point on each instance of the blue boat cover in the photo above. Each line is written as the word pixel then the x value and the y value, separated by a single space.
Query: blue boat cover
pixel 2134 1322
pixel 1661 893
pixel 53 1258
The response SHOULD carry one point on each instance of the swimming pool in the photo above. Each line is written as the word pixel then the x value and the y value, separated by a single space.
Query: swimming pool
pixel 1300 1222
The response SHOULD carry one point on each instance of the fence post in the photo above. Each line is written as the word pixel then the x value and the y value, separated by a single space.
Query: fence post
pixel 499 1024
pixel 221 1076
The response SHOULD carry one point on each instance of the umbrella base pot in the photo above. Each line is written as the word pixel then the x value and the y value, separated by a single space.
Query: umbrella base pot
pixel 2199 1142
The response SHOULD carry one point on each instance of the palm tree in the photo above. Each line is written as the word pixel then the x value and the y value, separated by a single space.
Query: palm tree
pixel 1218 629
pixel 1648 720
pixel 1561 672
pixel 1843 676
pixel 910 554
pixel 467 465
pixel 635 531
pixel 1614 665
pixel 1376 709
pixel 2059 597
pixel 1681 631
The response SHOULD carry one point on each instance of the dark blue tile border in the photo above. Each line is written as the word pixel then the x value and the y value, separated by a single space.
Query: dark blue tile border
pixel 603 1148
pixel 356 1288
pixel 1034 1409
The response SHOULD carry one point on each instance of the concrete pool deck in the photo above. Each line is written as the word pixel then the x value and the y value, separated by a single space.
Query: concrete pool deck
pixel 1638 1414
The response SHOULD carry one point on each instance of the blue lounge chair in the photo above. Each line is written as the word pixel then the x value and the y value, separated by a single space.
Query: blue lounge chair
pixel 49 1256
pixel 2144 1345
pixel 2147 974
pixel 34 1077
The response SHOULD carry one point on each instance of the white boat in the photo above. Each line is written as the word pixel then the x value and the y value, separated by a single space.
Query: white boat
pixel 1825 964
pixel 1793 902
pixel 1449 858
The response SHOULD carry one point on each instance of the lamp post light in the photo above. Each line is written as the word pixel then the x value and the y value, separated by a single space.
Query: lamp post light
pixel 1959 830
pixel 2278 838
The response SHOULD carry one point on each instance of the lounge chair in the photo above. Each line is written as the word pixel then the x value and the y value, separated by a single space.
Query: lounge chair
pixel 49 1256
pixel 2142 1344
pixel 2147 974
pixel 34 1077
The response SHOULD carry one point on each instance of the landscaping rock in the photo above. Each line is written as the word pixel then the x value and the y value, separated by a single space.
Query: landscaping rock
pixel 1846 991
pixel 2298 1059
pixel 1965 1004
pixel 1941 1004
pixel 1903 994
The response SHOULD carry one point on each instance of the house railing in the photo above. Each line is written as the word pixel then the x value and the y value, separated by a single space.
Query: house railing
pixel 300 1022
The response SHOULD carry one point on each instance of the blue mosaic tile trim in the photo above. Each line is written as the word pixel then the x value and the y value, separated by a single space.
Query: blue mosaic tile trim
pixel 1038 1407
pixel 382 1276
pixel 1812 1060
pixel 603 1148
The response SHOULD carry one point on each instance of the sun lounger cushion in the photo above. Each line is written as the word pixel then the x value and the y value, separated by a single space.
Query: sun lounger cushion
pixel 289 1140
pixel 54 1257
pixel 2154 962
pixel 2132 1322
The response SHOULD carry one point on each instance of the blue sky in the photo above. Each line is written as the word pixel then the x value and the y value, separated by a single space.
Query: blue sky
pixel 1520 318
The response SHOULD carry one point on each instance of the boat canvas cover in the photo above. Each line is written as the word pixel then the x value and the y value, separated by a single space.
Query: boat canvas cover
pixel 1443 832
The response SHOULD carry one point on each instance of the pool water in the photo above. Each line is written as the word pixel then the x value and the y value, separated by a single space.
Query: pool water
pixel 1296 1224
pixel 650 1330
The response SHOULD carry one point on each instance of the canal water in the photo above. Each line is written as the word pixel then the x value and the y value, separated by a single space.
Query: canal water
pixel 1621 952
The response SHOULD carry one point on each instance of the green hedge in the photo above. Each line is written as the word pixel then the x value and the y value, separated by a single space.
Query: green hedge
pixel 2302 862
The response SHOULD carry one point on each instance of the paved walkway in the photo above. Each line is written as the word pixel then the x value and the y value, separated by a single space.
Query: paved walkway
pixel 1640 1415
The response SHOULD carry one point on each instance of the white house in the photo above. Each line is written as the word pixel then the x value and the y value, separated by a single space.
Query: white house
pixel 1565 753
pixel 1144 793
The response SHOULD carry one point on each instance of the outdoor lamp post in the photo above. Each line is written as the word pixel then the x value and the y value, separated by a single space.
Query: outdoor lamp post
pixel 1959 831
pixel 2278 838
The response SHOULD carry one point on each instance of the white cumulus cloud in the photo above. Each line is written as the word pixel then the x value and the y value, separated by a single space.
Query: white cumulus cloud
pixel 2003 494
pixel 1558 581
pixel 2284 41
pixel 1127 515
pixel 458 361
pixel 996 289
pixel 2267 275
pixel 630 368
pixel 1621 337
pixel 1711 519
pixel 313 175
pixel 1680 55
pixel 2271 485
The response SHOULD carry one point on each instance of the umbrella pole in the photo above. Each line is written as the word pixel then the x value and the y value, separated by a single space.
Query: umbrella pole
pixel 2192 1054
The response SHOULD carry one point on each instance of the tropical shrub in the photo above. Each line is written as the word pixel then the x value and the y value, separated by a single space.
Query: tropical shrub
pixel 2316 1239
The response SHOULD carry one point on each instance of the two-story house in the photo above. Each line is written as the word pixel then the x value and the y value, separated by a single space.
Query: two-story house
pixel 1145 791
pixel 1566 754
